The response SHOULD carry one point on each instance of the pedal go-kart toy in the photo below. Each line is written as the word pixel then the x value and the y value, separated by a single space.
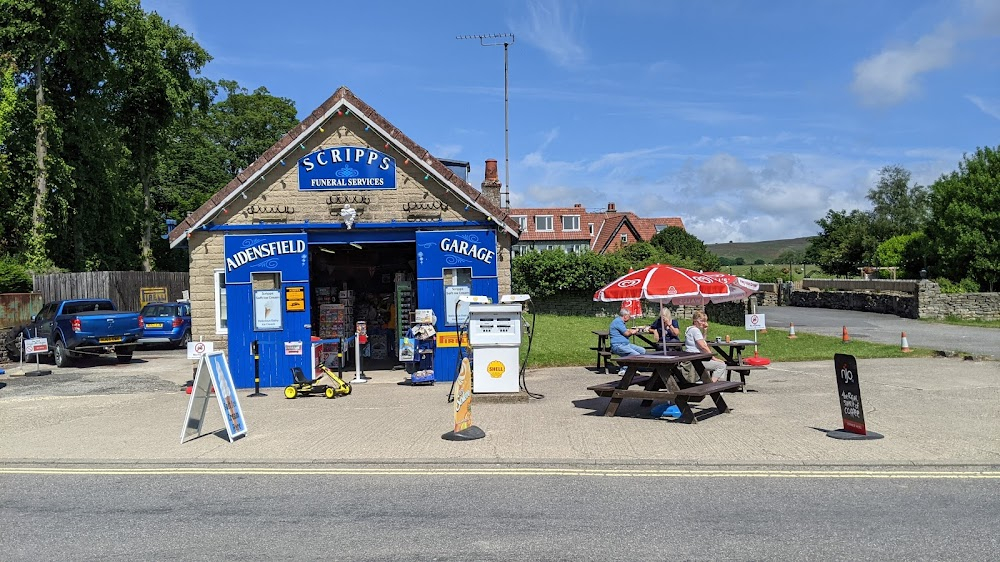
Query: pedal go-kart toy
pixel 305 386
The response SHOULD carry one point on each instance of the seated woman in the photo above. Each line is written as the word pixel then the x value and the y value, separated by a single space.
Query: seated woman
pixel 665 328
pixel 694 341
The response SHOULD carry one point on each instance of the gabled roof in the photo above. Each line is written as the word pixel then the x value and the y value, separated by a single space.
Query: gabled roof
pixel 342 100
pixel 608 224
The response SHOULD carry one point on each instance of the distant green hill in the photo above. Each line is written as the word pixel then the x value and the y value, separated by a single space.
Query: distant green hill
pixel 767 250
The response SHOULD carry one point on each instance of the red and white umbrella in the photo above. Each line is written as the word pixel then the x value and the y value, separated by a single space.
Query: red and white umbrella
pixel 665 283
pixel 739 288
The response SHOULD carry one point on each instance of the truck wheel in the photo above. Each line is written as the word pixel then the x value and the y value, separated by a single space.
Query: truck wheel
pixel 10 343
pixel 124 353
pixel 60 355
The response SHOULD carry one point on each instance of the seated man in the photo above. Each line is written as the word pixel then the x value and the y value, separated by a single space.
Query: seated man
pixel 665 328
pixel 619 336
pixel 694 341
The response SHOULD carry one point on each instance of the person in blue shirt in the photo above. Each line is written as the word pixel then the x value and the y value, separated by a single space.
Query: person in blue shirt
pixel 672 331
pixel 619 336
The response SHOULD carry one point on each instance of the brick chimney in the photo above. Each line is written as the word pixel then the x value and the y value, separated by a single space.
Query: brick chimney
pixel 611 208
pixel 491 186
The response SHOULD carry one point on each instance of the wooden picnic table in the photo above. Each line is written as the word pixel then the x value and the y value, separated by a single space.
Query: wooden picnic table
pixel 732 353
pixel 665 382
pixel 603 347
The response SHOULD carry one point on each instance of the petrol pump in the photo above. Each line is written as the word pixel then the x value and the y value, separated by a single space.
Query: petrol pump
pixel 495 336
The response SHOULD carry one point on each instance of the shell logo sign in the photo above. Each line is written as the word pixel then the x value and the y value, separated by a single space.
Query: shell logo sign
pixel 496 369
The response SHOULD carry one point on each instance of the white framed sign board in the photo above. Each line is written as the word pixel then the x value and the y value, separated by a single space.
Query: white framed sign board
pixel 754 322
pixel 213 372
pixel 197 349
pixel 36 345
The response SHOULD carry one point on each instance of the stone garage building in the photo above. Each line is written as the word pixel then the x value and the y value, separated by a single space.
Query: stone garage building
pixel 345 219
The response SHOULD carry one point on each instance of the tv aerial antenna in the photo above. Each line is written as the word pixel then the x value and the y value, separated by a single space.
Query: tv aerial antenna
pixel 495 40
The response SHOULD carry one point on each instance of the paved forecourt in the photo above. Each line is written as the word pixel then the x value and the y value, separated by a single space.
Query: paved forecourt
pixel 932 411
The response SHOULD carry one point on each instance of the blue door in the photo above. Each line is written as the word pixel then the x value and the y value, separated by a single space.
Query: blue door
pixel 276 316
pixel 452 263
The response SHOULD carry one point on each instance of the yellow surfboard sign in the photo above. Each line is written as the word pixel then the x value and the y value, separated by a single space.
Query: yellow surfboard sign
pixel 463 397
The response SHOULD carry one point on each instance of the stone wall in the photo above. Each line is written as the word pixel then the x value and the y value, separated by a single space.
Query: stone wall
pixel 899 304
pixel 925 300
pixel 978 306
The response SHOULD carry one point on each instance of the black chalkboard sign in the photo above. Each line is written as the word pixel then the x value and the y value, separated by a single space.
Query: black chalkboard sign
pixel 849 392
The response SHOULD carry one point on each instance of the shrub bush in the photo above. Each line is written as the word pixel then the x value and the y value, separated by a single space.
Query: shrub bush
pixel 14 278
pixel 964 286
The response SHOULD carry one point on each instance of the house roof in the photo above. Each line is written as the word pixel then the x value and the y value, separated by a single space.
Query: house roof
pixel 608 224
pixel 342 99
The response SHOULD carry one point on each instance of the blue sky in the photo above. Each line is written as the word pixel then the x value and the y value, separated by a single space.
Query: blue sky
pixel 749 120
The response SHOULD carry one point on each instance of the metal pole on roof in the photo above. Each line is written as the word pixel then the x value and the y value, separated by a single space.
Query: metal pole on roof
pixel 493 40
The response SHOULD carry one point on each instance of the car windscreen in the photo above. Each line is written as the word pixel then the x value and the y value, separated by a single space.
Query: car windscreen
pixel 157 310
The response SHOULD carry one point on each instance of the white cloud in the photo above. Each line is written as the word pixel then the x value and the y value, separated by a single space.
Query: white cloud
pixel 554 28
pixel 891 76
pixel 989 107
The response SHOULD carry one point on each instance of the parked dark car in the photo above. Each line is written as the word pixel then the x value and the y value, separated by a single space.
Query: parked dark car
pixel 166 323
pixel 83 326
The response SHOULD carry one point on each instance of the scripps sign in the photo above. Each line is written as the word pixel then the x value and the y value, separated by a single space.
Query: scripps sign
pixel 347 167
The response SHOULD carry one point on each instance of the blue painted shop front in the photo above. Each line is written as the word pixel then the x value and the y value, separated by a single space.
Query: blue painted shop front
pixel 268 290
pixel 279 266
pixel 451 264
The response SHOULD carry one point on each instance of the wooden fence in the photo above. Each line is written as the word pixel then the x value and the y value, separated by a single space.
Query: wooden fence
pixel 122 287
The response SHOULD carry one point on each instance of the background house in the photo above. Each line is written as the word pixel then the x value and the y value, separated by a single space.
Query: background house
pixel 575 229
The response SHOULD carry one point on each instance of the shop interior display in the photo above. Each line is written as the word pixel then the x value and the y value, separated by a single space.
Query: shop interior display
pixel 372 283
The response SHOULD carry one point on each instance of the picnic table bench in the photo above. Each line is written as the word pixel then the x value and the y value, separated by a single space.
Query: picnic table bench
pixel 603 348
pixel 732 353
pixel 666 382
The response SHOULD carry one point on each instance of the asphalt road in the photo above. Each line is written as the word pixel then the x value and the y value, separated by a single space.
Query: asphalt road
pixel 885 328
pixel 464 515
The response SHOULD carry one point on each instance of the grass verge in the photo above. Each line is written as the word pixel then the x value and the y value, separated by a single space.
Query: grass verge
pixel 564 341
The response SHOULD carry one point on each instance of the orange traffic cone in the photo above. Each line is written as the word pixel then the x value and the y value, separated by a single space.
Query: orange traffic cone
pixel 791 331
pixel 845 338
pixel 904 345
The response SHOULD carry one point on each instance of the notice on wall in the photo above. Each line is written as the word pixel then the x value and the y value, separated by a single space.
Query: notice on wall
pixel 849 392
pixel 267 312
pixel 293 348
pixel 456 315
pixel 295 298
pixel 152 294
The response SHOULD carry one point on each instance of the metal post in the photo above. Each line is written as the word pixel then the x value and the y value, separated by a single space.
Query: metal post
pixel 484 41
pixel 255 350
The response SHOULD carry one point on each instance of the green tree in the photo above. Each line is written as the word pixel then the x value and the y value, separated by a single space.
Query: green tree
pixel 898 207
pixel 156 87
pixel 678 242
pixel 226 133
pixel 844 243
pixel 964 229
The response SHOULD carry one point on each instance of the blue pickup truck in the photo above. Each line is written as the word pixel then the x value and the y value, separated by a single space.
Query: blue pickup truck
pixel 91 326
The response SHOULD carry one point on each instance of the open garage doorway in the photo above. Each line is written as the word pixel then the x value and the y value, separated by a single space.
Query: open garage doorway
pixel 371 282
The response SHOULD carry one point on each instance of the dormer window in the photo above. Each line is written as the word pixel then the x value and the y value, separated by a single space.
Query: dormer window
pixel 543 223
pixel 571 222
